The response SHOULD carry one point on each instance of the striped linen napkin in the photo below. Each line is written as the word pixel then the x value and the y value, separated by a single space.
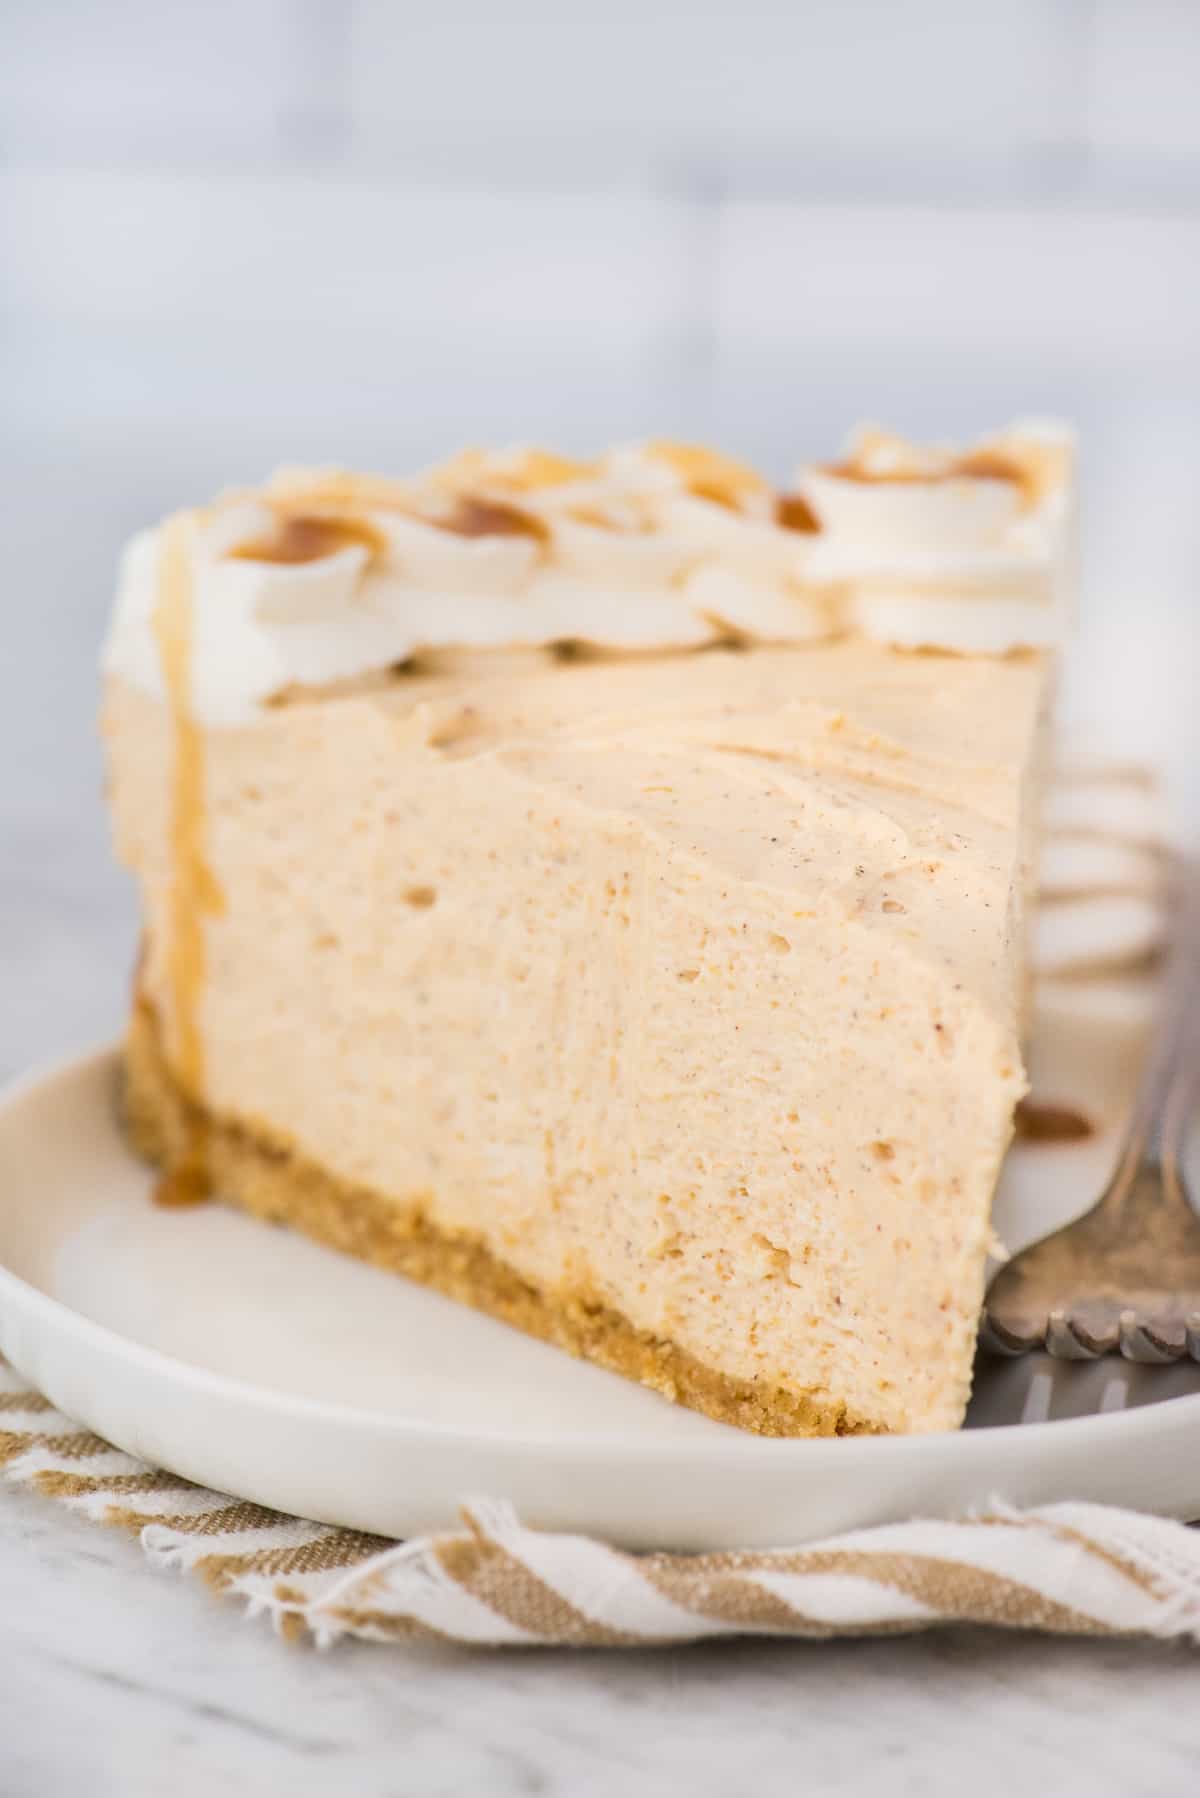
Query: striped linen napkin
pixel 1070 1569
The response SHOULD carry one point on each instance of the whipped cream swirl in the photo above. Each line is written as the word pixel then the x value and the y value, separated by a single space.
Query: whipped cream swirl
pixel 321 576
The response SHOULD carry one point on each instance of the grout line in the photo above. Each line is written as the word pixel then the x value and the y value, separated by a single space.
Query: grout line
pixel 316 124
pixel 315 136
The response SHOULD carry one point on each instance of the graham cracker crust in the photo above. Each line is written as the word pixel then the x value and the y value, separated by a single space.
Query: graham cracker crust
pixel 269 1179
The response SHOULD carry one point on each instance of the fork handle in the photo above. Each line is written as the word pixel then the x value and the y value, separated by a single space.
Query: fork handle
pixel 1168 1088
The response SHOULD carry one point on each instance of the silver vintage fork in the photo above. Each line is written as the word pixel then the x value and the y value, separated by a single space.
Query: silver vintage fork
pixel 1126 1275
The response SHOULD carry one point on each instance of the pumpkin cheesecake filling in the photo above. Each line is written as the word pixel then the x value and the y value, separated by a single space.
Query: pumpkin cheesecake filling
pixel 515 920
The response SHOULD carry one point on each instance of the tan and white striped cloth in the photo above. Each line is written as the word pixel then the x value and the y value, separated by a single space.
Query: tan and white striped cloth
pixel 1072 1569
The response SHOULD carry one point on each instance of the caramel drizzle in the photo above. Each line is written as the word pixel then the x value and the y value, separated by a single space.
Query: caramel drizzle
pixel 980 465
pixel 310 537
pixel 321 517
pixel 473 516
pixel 708 474
pixel 793 513
pixel 302 537
pixel 1032 472
pixel 194 894
pixel 529 472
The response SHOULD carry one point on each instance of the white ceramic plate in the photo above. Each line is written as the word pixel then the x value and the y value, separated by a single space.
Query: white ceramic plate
pixel 251 1360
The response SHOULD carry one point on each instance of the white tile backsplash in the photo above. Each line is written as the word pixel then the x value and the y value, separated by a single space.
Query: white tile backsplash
pixel 365 231
pixel 1143 87
pixel 927 282
pixel 331 255
pixel 1044 100
pixel 133 75
pixel 702 75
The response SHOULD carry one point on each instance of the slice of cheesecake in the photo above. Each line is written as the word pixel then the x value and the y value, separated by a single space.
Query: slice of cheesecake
pixel 557 889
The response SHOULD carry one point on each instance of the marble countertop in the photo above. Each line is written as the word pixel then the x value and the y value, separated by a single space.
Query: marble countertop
pixel 125 1683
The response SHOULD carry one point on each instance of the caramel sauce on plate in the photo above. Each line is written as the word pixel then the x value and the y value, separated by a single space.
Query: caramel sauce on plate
pixel 1036 1122
pixel 188 1183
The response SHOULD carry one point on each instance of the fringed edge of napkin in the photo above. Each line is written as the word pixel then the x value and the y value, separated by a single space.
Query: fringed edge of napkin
pixel 1068 1569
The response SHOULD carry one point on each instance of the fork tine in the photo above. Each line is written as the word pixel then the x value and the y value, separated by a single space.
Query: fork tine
pixel 1003 1339
pixel 1158 1341
pixel 1168 1335
pixel 1072 1339
pixel 1126 1274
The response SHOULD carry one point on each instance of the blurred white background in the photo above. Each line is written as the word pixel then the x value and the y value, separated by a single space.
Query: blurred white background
pixel 253 231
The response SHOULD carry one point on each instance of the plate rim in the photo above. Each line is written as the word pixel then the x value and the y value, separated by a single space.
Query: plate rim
pixel 957 1448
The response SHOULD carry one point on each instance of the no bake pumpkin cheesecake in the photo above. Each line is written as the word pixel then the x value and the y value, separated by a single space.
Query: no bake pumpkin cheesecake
pixel 598 890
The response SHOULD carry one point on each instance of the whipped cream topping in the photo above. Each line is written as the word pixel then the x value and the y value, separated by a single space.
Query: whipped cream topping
pixel 322 576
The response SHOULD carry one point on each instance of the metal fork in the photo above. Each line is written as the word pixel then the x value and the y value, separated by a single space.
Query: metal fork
pixel 1126 1275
